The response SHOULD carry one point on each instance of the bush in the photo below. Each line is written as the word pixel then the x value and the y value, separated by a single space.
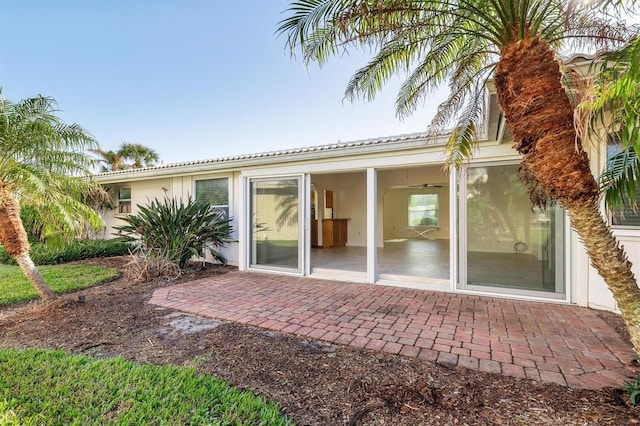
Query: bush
pixel 177 231
pixel 144 268
pixel 76 250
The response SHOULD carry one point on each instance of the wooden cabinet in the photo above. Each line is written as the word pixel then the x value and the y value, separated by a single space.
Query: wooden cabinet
pixel 328 199
pixel 314 233
pixel 334 232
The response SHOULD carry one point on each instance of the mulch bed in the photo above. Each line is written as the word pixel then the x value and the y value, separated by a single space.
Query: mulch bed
pixel 315 383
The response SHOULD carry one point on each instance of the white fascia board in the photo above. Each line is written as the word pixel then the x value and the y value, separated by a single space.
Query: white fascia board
pixel 345 164
pixel 489 153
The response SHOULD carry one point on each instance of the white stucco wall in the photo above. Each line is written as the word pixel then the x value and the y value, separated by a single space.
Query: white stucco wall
pixel 142 192
pixel 393 194
pixel 179 187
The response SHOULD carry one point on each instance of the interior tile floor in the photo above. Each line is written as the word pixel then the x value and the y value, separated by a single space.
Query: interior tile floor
pixel 408 257
pixel 427 262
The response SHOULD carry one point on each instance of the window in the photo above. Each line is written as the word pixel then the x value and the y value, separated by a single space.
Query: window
pixel 214 192
pixel 124 200
pixel 627 215
pixel 423 210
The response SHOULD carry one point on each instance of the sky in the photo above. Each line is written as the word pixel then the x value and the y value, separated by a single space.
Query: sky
pixel 192 79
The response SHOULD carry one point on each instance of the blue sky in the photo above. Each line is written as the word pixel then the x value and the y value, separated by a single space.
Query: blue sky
pixel 191 79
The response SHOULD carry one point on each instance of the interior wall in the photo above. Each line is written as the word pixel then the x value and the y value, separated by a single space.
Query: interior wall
pixel 349 201
pixel 393 194
pixel 396 205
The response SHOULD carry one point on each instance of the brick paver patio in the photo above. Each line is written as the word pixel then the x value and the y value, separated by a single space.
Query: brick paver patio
pixel 548 342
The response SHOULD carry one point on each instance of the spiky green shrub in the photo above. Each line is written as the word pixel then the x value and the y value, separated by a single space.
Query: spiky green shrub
pixel 632 388
pixel 178 231
pixel 42 254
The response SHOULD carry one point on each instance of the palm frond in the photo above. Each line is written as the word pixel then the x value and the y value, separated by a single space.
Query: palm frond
pixel 368 80
pixel 614 105
pixel 619 181
pixel 462 93
pixel 462 139
pixel 590 32
pixel 306 17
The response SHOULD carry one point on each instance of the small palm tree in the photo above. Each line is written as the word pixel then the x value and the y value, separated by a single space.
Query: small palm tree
pixel 43 164
pixel 465 43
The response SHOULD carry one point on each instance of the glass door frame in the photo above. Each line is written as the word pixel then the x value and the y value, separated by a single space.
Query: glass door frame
pixel 459 252
pixel 303 230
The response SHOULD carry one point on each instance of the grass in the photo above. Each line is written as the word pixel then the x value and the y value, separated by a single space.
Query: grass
pixel 39 387
pixel 61 278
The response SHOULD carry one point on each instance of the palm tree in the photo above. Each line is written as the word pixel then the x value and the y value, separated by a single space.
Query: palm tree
pixel 465 43
pixel 111 160
pixel 43 165
pixel 141 155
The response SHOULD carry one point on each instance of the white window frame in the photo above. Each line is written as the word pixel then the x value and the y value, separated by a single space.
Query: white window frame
pixel 229 192
pixel 304 219
pixel 122 202
pixel 459 235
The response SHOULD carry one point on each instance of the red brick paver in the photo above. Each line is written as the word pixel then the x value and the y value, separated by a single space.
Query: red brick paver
pixel 541 341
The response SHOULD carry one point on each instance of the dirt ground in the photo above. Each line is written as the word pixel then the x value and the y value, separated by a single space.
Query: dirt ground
pixel 315 383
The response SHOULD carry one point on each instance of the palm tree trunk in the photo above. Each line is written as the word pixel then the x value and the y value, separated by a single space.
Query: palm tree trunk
pixel 33 275
pixel 540 116
pixel 14 239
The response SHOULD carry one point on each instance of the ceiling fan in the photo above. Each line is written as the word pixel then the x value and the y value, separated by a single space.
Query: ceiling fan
pixel 427 185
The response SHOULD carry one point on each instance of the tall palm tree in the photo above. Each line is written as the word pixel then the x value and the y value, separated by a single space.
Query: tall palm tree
pixel 141 155
pixel 42 164
pixel 464 43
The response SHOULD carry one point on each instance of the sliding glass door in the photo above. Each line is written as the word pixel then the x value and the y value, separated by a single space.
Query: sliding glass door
pixel 508 245
pixel 276 218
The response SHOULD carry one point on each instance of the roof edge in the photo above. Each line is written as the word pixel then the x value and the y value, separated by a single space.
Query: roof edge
pixel 396 142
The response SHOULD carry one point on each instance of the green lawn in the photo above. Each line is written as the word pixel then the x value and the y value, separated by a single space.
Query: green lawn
pixel 40 387
pixel 14 287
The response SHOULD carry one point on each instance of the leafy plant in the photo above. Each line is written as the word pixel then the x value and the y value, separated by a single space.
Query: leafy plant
pixel 633 389
pixel 178 231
